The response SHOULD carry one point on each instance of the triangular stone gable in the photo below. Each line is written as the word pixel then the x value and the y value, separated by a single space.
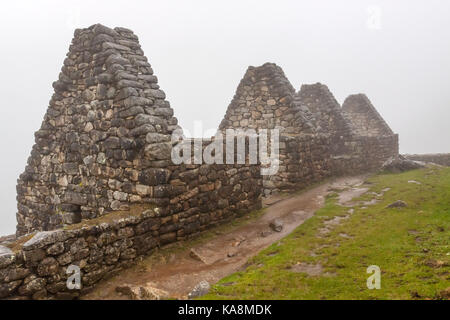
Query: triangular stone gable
pixel 264 99
pixel 326 110
pixel 364 118
pixel 106 123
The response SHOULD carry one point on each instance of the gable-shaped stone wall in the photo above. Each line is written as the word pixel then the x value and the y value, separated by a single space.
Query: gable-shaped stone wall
pixel 265 99
pixel 106 124
pixel 318 138
pixel 105 142
pixel 364 118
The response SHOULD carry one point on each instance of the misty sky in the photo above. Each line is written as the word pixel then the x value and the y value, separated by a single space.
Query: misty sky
pixel 397 52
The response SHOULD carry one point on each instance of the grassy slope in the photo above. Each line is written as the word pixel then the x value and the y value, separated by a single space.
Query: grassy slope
pixel 411 246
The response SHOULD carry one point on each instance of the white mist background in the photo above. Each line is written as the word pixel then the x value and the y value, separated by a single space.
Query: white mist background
pixel 397 52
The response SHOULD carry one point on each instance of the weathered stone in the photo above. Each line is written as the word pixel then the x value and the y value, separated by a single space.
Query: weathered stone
pixel 158 151
pixel 398 204
pixel 7 257
pixel 154 176
pixel 32 285
pixel 147 292
pixel 44 238
pixel 7 289
pixel 199 290
pixel 55 249
pixel 148 225
pixel 72 217
pixel 13 274
pixel 48 267
pixel 75 198
pixel 276 225
pixel 154 137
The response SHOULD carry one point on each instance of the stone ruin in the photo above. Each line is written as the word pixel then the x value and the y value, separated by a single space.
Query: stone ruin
pixel 105 143
pixel 364 118
pixel 318 138
pixel 100 188
pixel 442 159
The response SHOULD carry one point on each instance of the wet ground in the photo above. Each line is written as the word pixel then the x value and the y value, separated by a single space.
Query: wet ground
pixel 227 252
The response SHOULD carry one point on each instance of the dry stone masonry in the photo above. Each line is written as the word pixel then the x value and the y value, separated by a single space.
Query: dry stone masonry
pixel 442 159
pixel 364 118
pixel 105 139
pixel 101 190
pixel 317 138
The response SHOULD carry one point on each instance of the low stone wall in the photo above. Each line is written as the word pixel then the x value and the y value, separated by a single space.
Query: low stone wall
pixel 37 269
pixel 199 196
pixel 367 154
pixel 186 200
pixel 439 158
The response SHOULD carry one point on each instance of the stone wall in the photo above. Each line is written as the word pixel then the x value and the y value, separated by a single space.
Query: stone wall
pixel 352 148
pixel 328 117
pixel 318 138
pixel 439 158
pixel 304 159
pixel 204 194
pixel 265 99
pixel 366 154
pixel 364 118
pixel 196 197
pixel 101 173
pixel 107 127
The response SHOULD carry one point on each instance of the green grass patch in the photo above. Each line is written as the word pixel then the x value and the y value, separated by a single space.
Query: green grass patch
pixel 410 245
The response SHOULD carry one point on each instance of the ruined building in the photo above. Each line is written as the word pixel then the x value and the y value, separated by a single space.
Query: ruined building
pixel 100 188
pixel 105 144
pixel 318 138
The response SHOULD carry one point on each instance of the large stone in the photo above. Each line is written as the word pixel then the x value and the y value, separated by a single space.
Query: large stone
pixel 398 204
pixel 7 289
pixel 146 292
pixel 400 164
pixel 48 266
pixel 13 274
pixel 75 198
pixel 44 238
pixel 199 290
pixel 7 257
pixel 276 225
pixel 32 285
pixel 154 176
pixel 158 151
pixel 154 137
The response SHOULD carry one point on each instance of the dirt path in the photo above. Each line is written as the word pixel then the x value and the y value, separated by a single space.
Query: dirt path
pixel 225 253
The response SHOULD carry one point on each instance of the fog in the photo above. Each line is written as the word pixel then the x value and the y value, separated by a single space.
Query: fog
pixel 397 52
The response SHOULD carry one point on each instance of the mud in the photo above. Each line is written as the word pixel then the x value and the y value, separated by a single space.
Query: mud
pixel 226 252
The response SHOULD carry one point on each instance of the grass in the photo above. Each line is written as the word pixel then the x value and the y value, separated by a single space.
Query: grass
pixel 410 245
